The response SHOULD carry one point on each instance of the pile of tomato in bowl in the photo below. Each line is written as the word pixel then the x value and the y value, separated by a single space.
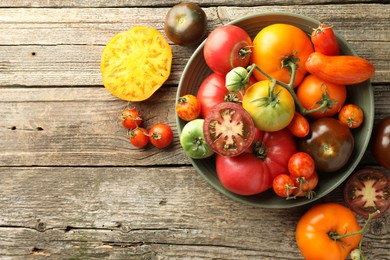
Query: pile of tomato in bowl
pixel 273 106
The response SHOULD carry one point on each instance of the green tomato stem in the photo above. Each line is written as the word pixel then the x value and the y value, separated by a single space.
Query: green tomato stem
pixel 290 86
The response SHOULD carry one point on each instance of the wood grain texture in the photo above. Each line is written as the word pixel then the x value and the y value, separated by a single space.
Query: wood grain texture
pixel 99 212
pixel 73 187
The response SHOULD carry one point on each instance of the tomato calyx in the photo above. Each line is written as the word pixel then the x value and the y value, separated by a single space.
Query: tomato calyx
pixel 238 80
pixel 358 252
pixel 260 150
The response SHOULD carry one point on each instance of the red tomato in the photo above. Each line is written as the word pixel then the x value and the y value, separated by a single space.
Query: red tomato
pixel 381 142
pixel 253 171
pixel 301 164
pixel 318 228
pixel 138 137
pixel 283 185
pixel 160 135
pixel 228 129
pixel 188 107
pixel 313 89
pixel 305 186
pixel 275 46
pixel 351 115
pixel 325 41
pixel 130 118
pixel 213 91
pixel 227 47
pixel 299 126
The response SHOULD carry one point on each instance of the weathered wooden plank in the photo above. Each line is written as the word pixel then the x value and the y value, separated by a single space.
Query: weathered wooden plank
pixel 151 3
pixel 63 47
pixel 80 126
pixel 159 213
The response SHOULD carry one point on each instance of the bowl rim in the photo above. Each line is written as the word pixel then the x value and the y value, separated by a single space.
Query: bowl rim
pixel 352 167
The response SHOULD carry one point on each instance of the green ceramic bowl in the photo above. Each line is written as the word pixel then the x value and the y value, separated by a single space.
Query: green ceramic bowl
pixel 196 71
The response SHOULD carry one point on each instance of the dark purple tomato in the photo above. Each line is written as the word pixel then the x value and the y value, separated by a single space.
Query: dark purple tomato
pixel 330 143
pixel 186 24
pixel 381 142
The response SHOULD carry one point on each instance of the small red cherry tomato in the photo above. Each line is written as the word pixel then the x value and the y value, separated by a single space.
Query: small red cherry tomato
pixel 160 135
pixel 283 185
pixel 188 107
pixel 325 41
pixel 351 115
pixel 138 137
pixel 130 118
pixel 301 164
pixel 305 186
pixel 299 126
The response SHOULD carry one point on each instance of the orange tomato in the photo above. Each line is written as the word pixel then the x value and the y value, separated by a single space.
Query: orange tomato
pixel 313 89
pixel 317 226
pixel 351 115
pixel 188 107
pixel 343 70
pixel 277 44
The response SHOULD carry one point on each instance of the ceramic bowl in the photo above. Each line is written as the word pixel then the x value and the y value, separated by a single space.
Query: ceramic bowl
pixel 196 71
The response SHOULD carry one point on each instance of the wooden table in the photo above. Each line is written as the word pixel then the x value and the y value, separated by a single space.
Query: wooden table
pixel 73 187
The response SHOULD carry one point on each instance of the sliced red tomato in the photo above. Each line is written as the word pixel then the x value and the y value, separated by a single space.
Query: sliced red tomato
pixel 228 129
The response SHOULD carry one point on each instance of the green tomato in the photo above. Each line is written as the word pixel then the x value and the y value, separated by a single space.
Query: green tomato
pixel 271 106
pixel 193 142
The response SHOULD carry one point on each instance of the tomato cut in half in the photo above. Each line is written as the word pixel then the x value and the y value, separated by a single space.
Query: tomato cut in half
pixel 366 191
pixel 228 129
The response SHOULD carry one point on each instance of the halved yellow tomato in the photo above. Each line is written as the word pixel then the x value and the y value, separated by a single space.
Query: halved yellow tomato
pixel 136 63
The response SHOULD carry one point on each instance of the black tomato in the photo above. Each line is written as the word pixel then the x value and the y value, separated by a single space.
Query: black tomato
pixel 186 24
pixel 366 191
pixel 381 142
pixel 329 142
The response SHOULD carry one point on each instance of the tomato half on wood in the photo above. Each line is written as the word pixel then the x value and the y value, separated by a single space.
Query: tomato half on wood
pixel 275 46
pixel 185 23
pixel 317 228
pixel 330 144
pixel 253 171
pixel 228 129
pixel 213 91
pixel 271 108
pixel 314 91
pixel 368 190
pixel 227 47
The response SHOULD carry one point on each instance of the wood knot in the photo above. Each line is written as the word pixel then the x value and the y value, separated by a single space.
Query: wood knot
pixel 40 226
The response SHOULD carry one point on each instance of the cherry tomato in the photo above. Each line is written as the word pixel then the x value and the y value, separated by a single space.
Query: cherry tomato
pixel 253 171
pixel 186 24
pixel 138 137
pixel 283 185
pixel 325 41
pixel 313 91
pixel 188 107
pixel 351 115
pixel 329 143
pixel 131 118
pixel 306 186
pixel 271 109
pixel 317 231
pixel 275 46
pixel 301 164
pixel 228 129
pixel 160 135
pixel 366 191
pixel 340 69
pixel 227 47
pixel 381 142
pixel 299 126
